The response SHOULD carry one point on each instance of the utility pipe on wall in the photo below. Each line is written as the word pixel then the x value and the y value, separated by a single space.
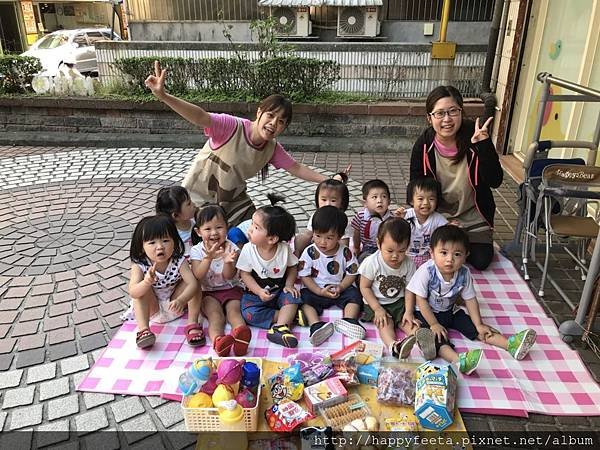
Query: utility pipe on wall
pixel 445 19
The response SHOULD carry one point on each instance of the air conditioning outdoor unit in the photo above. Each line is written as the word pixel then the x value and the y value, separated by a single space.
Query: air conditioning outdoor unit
pixel 292 21
pixel 355 21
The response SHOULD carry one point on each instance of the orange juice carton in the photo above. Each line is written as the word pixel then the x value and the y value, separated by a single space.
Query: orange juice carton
pixel 435 396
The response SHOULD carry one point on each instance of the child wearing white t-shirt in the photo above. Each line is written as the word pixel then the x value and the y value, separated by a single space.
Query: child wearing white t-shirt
pixel 328 270
pixel 268 269
pixel 437 284
pixel 423 194
pixel 383 277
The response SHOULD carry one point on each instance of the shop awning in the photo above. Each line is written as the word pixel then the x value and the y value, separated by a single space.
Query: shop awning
pixel 290 3
pixel 320 3
pixel 352 2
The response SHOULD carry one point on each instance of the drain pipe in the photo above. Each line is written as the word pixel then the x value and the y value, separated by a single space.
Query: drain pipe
pixel 489 99
pixel 499 46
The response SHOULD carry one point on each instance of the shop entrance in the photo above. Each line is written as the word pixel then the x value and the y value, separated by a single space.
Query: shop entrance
pixel 10 38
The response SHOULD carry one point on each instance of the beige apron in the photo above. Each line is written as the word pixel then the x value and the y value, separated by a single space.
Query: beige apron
pixel 220 176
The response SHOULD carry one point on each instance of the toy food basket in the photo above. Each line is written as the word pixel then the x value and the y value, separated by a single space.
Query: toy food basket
pixel 207 419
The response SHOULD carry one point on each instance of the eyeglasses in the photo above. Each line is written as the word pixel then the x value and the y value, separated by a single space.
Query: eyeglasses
pixel 452 112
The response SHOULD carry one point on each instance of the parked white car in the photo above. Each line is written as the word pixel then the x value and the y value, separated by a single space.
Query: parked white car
pixel 69 46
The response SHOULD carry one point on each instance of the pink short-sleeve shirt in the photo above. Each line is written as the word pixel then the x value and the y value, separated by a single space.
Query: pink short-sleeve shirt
pixel 222 127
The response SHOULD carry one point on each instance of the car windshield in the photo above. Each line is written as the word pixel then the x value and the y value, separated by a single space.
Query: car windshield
pixel 52 41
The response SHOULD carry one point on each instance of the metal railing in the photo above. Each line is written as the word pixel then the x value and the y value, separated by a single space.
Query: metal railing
pixel 210 10
pixel 378 70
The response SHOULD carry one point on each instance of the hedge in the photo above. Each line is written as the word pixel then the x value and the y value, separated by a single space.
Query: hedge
pixel 299 79
pixel 16 73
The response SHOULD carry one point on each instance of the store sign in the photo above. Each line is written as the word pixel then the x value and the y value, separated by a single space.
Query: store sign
pixel 29 17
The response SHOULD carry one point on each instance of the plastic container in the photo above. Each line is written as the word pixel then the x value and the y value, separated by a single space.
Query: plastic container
pixel 343 413
pixel 231 415
pixel 197 374
pixel 207 419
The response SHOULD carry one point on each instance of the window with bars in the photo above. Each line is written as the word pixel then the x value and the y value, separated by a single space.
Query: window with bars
pixel 211 10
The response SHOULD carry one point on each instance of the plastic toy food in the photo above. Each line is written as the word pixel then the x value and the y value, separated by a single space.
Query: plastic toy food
pixel 222 393
pixel 210 386
pixel 246 398
pixel 230 371
pixel 250 376
pixel 200 400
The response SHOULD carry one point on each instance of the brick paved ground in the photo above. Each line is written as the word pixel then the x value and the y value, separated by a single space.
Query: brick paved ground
pixel 66 216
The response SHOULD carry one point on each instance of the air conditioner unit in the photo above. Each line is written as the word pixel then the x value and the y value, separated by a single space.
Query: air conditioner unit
pixel 292 21
pixel 355 21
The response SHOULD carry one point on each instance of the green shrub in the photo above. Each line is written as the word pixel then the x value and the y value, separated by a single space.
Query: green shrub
pixel 300 79
pixel 16 73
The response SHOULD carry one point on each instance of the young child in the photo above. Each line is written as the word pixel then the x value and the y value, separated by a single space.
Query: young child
pixel 268 268
pixel 437 284
pixel 213 264
pixel 366 222
pixel 383 277
pixel 333 192
pixel 328 270
pixel 162 283
pixel 423 194
pixel 175 202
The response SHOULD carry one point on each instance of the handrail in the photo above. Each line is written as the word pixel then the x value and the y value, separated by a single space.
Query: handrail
pixel 546 77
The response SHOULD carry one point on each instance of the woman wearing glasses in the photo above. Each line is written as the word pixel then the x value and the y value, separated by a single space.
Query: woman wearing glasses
pixel 461 156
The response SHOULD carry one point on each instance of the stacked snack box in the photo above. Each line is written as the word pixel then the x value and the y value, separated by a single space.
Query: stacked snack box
pixel 435 396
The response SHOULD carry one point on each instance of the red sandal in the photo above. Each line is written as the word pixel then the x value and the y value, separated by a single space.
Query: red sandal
pixel 223 344
pixel 145 338
pixel 242 336
pixel 194 339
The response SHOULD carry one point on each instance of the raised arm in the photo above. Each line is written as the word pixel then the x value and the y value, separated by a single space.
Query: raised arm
pixel 190 112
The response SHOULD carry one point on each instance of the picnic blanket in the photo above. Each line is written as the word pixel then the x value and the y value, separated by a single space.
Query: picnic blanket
pixel 551 380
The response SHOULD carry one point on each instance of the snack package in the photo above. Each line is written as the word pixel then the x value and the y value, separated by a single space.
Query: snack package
pixel 435 396
pixel 368 374
pixel 396 385
pixel 314 367
pixel 286 415
pixel 325 393
pixel 287 384
pixel 364 352
pixel 342 414
pixel 345 369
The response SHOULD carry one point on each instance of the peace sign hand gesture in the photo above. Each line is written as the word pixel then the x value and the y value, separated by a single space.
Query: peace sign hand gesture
pixel 481 133
pixel 156 82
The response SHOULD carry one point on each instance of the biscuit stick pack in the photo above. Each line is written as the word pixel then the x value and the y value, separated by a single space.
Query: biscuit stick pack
pixel 435 396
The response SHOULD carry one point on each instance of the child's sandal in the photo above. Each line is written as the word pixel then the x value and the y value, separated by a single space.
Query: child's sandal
pixel 222 345
pixel 194 339
pixel 242 336
pixel 145 338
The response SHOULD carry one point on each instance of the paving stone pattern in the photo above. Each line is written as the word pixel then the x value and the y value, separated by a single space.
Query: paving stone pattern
pixel 66 218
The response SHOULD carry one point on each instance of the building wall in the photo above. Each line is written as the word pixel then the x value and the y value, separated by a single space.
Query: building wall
pixel 391 31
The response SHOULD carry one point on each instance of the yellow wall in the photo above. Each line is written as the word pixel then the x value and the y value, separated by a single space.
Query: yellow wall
pixel 562 39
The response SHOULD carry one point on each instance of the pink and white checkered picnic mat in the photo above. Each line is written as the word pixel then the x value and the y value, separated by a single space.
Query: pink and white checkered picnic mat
pixel 550 380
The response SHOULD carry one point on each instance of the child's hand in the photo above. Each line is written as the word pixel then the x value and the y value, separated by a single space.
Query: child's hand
pixel 408 320
pixel 177 306
pixel 215 251
pixel 485 331
pixel 400 212
pixel 454 222
pixel 440 332
pixel 291 290
pixel 265 295
pixel 331 291
pixel 150 276
pixel 156 82
pixel 381 318
pixel 232 256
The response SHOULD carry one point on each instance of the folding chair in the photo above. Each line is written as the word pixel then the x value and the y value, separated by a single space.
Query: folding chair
pixel 573 187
